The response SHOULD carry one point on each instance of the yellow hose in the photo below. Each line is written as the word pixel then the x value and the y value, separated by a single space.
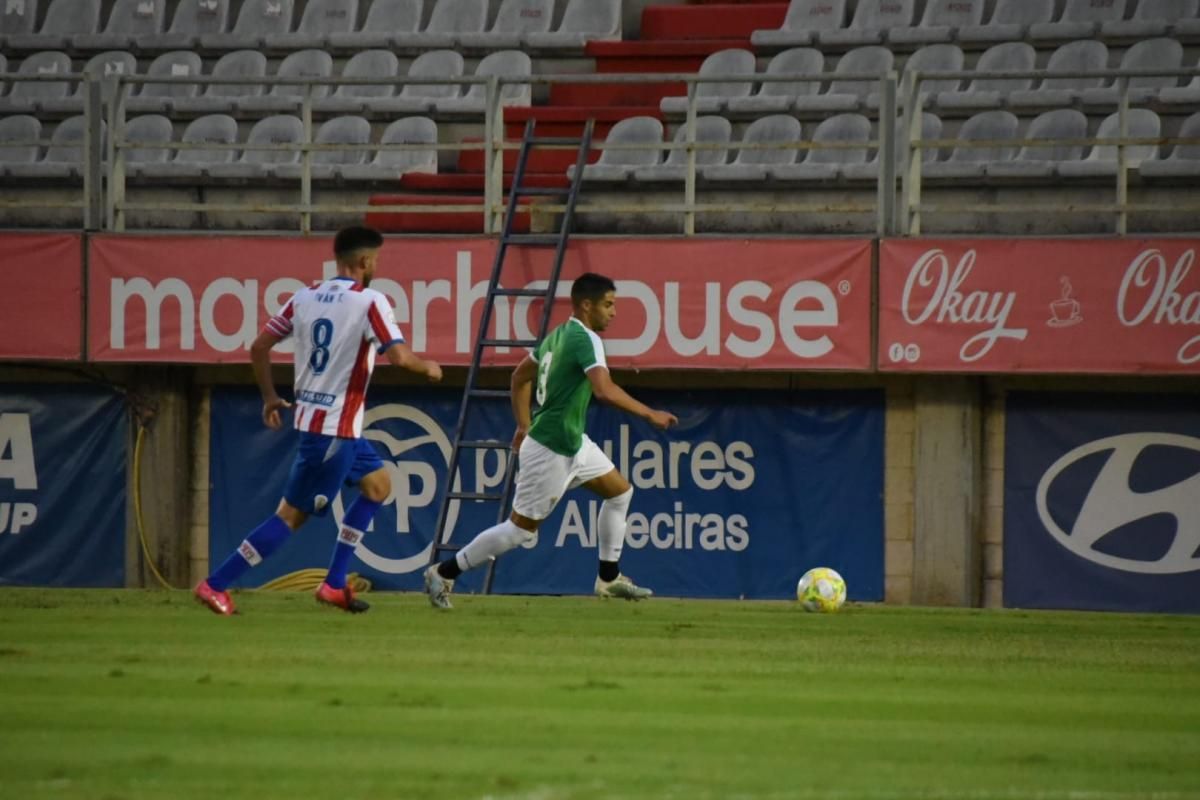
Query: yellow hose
pixel 304 580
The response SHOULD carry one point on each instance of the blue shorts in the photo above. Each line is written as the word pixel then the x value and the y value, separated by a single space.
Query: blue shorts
pixel 323 465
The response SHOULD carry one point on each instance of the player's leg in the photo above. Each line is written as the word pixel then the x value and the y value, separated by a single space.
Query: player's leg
pixel 543 478
pixel 596 472
pixel 374 485
pixel 258 545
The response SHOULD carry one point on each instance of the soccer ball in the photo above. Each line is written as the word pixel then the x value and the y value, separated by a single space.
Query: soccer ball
pixel 821 589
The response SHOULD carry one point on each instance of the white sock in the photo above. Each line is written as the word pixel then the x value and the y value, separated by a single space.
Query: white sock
pixel 495 541
pixel 611 526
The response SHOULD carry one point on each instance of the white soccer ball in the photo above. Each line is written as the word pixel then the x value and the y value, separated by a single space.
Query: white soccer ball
pixel 821 589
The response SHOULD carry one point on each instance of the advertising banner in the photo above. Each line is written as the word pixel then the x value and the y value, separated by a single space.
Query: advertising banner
pixel 62 486
pixel 1102 502
pixel 41 302
pixel 739 304
pixel 1039 305
pixel 749 491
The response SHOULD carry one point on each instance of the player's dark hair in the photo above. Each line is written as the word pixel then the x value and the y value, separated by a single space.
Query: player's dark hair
pixel 591 286
pixel 356 237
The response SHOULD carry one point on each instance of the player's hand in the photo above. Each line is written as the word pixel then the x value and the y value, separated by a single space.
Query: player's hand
pixel 270 413
pixel 433 372
pixel 663 419
pixel 518 437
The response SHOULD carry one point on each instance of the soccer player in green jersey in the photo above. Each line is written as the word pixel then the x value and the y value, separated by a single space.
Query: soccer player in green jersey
pixel 556 455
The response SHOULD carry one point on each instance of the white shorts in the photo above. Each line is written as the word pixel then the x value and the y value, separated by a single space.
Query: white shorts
pixel 545 476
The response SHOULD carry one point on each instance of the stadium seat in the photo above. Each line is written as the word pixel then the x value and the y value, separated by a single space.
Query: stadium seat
pixel 872 20
pixel 805 19
pixel 64 20
pixel 1010 22
pixel 391 164
pixel 1184 160
pixel 1102 160
pixel 931 128
pixel 450 19
pixel 1145 55
pixel 106 65
pixel 990 92
pixel 1182 95
pixel 129 22
pixel 326 164
pixel 3 68
pixel 847 95
pixel 1034 161
pixel 754 165
pixel 157 98
pixel 288 97
pixel 354 98
pixel 583 21
pixel 826 164
pixel 941 22
pixel 386 20
pixel 19 128
pixel 64 156
pixel 618 165
pixel 501 62
pixel 321 19
pixel 970 162
pixel 27 96
pixel 277 129
pixel 515 19
pixel 711 97
pixel 710 131
pixel 222 96
pixel 150 128
pixel 256 20
pixel 193 19
pixel 194 163
pixel 930 58
pixel 17 19
pixel 419 98
pixel 1082 56
pixel 1080 20
pixel 1152 18
pixel 777 96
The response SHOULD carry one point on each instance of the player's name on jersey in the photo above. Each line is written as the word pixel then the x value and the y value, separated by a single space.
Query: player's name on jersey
pixel 316 398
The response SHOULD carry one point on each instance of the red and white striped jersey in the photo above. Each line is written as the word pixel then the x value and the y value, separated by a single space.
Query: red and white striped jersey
pixel 339 327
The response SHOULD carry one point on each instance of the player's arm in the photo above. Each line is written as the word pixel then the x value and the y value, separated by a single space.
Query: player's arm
pixel 606 391
pixel 401 355
pixel 522 396
pixel 260 360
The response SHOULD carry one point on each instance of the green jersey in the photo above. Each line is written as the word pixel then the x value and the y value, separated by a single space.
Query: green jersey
pixel 563 388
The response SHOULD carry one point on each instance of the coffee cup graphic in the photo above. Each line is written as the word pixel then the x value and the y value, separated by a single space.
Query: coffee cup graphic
pixel 1065 310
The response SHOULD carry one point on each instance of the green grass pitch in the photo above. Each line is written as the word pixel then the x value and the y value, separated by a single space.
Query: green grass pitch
pixel 121 695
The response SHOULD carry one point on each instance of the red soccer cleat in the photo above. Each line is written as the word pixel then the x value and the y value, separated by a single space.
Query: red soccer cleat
pixel 342 598
pixel 220 602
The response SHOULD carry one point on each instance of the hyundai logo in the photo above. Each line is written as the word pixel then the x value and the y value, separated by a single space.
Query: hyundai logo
pixel 1111 502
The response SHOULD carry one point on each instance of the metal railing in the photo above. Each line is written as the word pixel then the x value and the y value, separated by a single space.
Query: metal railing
pixel 105 201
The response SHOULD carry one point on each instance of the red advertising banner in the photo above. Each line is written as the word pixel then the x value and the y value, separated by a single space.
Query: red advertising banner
pixel 740 304
pixel 40 304
pixel 1038 305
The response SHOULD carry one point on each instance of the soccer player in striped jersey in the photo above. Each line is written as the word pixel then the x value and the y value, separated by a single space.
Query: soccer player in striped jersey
pixel 338 326
pixel 568 367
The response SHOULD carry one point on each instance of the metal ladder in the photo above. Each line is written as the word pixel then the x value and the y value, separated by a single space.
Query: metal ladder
pixel 441 542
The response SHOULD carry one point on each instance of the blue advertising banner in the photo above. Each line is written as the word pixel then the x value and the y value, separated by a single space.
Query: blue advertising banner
pixel 749 491
pixel 1102 502
pixel 62 486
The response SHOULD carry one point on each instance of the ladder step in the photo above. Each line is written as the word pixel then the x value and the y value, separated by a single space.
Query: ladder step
pixel 508 342
pixel 489 393
pixel 537 141
pixel 473 496
pixel 519 292
pixel 558 191
pixel 532 238
pixel 485 444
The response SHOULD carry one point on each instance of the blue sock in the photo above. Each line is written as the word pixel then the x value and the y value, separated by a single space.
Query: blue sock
pixel 354 527
pixel 262 541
